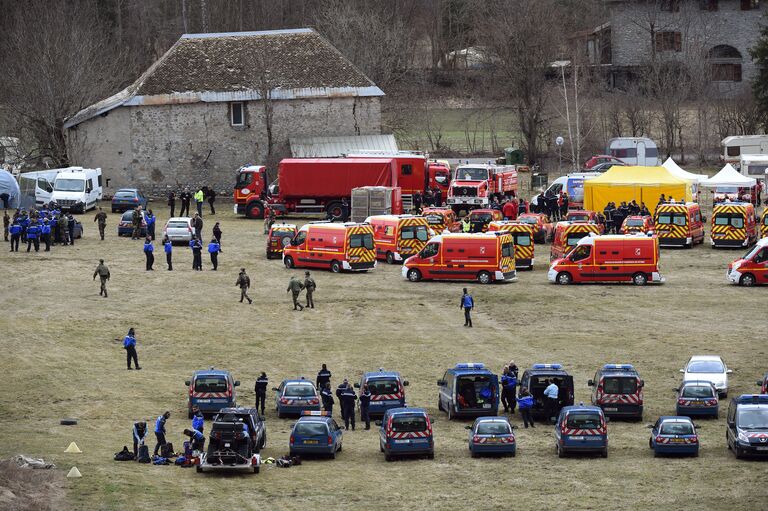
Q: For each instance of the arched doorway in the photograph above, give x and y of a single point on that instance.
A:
(725, 63)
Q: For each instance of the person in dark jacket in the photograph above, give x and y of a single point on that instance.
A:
(129, 344)
(151, 219)
(140, 431)
(341, 388)
(197, 249)
(149, 250)
(467, 303)
(347, 399)
(416, 203)
(365, 401)
(217, 234)
(261, 391)
(327, 396)
(172, 203)
(197, 225)
(168, 248)
(186, 198)
(71, 228)
(437, 197)
(33, 237)
(508, 389)
(525, 400)
(211, 195)
(323, 377)
(160, 431)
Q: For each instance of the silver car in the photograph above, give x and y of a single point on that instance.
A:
(178, 229)
(709, 368)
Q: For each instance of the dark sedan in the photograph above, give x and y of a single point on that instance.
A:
(128, 198)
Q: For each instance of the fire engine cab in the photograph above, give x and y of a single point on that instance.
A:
(609, 259)
(331, 245)
(485, 257)
(618, 390)
(398, 237)
(473, 185)
(752, 269)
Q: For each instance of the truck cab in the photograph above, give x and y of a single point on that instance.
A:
(468, 390)
(250, 192)
(473, 185)
(618, 390)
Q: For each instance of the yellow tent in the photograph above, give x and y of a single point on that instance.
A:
(643, 184)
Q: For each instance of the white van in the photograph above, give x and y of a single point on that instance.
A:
(77, 189)
(38, 185)
(754, 166)
(573, 184)
(634, 151)
(736, 146)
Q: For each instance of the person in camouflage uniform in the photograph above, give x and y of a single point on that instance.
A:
(294, 287)
(103, 272)
(101, 217)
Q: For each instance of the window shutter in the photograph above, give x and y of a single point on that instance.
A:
(678, 41)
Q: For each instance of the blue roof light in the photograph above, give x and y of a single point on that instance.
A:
(757, 399)
(619, 367)
(470, 365)
(547, 366)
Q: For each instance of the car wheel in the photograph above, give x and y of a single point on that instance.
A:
(340, 447)
(254, 210)
(380, 447)
(280, 415)
(451, 415)
(440, 405)
(335, 267)
(269, 256)
(560, 452)
(738, 452)
(639, 279)
(655, 454)
(650, 443)
(414, 275)
(431, 456)
(332, 455)
(256, 469)
(288, 261)
(696, 454)
(334, 210)
(264, 440)
(390, 258)
(484, 277)
(387, 457)
(474, 454)
(747, 280)
(564, 278)
(604, 453)
(198, 469)
(513, 453)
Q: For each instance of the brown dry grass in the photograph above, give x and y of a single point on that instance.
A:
(25, 489)
(60, 360)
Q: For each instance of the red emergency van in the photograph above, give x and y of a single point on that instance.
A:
(336, 246)
(279, 237)
(751, 269)
(398, 237)
(485, 257)
(567, 234)
(522, 235)
(440, 219)
(480, 218)
(611, 258)
(679, 224)
(733, 225)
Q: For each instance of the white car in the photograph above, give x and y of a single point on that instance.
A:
(178, 229)
(709, 368)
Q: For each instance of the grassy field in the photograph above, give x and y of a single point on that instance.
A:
(59, 350)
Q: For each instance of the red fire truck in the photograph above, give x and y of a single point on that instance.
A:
(318, 185)
(474, 184)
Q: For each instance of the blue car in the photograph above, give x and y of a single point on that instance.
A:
(406, 432)
(294, 397)
(492, 435)
(674, 435)
(126, 199)
(211, 390)
(581, 428)
(125, 225)
(315, 433)
(387, 391)
(697, 399)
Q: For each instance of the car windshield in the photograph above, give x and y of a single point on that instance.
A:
(361, 240)
(124, 195)
(574, 237)
(480, 217)
(127, 216)
(493, 428)
(178, 224)
(524, 240)
(210, 384)
(619, 385)
(753, 419)
(578, 420)
(676, 428)
(244, 179)
(410, 232)
(751, 251)
(698, 391)
(381, 386)
(507, 250)
(435, 219)
(471, 174)
(69, 185)
(578, 218)
(528, 220)
(672, 219)
(706, 366)
(733, 219)
(634, 222)
(407, 424)
(299, 391)
(310, 429)
(765, 220)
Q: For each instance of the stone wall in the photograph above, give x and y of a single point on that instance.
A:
(154, 147)
(701, 30)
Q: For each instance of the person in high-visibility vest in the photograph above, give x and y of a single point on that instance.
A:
(466, 225)
(199, 198)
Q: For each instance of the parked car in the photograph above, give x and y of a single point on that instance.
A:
(125, 225)
(697, 398)
(491, 435)
(128, 198)
(709, 368)
(604, 167)
(674, 435)
(178, 229)
(602, 159)
(237, 435)
(315, 433)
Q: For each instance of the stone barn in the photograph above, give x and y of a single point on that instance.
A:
(201, 111)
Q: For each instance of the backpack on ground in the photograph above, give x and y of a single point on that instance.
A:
(143, 454)
(166, 451)
(124, 455)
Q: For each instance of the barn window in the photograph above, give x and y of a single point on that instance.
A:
(237, 114)
(668, 41)
(725, 63)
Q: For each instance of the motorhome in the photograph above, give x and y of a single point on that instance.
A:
(754, 166)
(736, 146)
(639, 151)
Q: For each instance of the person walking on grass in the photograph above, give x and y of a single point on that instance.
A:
(309, 286)
(129, 345)
(244, 282)
(467, 303)
(168, 247)
(213, 249)
(149, 250)
(103, 272)
(101, 218)
(294, 287)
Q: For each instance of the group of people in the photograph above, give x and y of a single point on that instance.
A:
(203, 193)
(432, 197)
(554, 206)
(195, 244)
(614, 216)
(295, 287)
(48, 225)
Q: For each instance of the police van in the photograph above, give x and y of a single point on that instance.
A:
(581, 428)
(747, 425)
(468, 390)
(618, 390)
(534, 379)
(211, 390)
(406, 431)
(387, 390)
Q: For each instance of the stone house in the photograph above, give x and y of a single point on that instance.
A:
(198, 114)
(714, 35)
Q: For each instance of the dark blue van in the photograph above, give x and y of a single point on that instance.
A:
(211, 390)
(387, 391)
(406, 432)
(581, 428)
(469, 390)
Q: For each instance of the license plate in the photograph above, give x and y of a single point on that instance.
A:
(577, 438)
(310, 441)
(227, 444)
(677, 440)
(203, 400)
(593, 438)
(492, 441)
(487, 405)
(614, 409)
(402, 441)
(696, 403)
(762, 448)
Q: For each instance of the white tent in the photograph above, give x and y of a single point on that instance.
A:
(9, 185)
(676, 171)
(729, 176)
